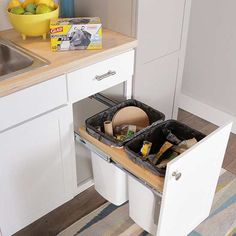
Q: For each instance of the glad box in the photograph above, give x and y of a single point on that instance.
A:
(76, 33)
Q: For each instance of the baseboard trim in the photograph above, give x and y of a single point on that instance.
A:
(205, 111)
(83, 186)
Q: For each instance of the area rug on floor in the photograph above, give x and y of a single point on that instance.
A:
(109, 220)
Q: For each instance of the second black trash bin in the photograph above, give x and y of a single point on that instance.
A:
(155, 135)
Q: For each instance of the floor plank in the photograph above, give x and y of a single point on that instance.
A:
(61, 218)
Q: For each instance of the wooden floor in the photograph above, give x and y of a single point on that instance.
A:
(86, 202)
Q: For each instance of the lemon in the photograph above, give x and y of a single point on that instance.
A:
(18, 10)
(52, 4)
(43, 8)
(14, 3)
(49, 3)
(27, 2)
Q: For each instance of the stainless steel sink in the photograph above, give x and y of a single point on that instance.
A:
(15, 60)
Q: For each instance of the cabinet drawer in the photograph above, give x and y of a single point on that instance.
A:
(30, 102)
(100, 76)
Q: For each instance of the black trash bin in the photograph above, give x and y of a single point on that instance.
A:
(155, 135)
(99, 119)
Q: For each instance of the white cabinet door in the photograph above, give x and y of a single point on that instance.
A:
(36, 169)
(155, 83)
(187, 201)
(159, 28)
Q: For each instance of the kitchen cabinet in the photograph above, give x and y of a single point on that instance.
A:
(36, 169)
(161, 29)
(39, 170)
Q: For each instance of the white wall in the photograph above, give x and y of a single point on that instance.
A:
(210, 67)
(4, 24)
(115, 15)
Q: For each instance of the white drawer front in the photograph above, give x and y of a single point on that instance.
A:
(30, 102)
(100, 76)
(190, 184)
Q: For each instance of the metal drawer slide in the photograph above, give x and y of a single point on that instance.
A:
(107, 158)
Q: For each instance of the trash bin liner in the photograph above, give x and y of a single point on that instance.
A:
(155, 135)
(98, 120)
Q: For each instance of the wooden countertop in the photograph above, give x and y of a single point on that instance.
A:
(61, 62)
(119, 156)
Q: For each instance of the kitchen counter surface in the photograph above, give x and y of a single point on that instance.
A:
(61, 62)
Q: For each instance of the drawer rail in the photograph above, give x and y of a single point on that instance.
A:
(107, 158)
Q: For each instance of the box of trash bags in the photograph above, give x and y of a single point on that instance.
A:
(148, 140)
(76, 33)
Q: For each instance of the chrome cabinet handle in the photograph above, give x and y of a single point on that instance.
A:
(177, 175)
(104, 76)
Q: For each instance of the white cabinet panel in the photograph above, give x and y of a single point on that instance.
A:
(155, 83)
(33, 101)
(187, 201)
(36, 169)
(159, 28)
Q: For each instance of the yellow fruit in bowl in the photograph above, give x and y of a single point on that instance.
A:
(13, 4)
(33, 25)
(27, 2)
(49, 3)
(42, 9)
(52, 4)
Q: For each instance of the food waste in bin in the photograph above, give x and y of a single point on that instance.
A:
(171, 148)
(121, 132)
(125, 123)
(122, 122)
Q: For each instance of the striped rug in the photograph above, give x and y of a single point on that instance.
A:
(109, 220)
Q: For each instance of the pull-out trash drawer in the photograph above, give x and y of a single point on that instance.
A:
(109, 180)
(186, 191)
(166, 203)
